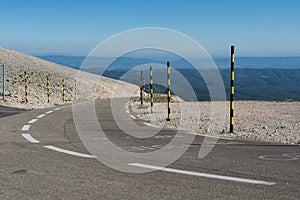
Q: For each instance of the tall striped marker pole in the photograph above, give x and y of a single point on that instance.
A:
(142, 90)
(3, 80)
(48, 89)
(232, 90)
(63, 90)
(169, 92)
(26, 86)
(151, 89)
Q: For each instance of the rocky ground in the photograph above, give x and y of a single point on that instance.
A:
(87, 86)
(277, 122)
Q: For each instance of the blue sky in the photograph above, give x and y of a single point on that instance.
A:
(256, 27)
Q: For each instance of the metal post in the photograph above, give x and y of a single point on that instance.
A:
(232, 90)
(3, 80)
(141, 90)
(151, 89)
(63, 90)
(169, 92)
(48, 89)
(26, 86)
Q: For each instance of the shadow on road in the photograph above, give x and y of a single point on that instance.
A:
(7, 111)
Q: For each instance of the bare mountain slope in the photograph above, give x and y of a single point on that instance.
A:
(87, 86)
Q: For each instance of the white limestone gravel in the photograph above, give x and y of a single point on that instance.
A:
(276, 122)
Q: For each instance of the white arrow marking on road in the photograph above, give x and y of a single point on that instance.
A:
(30, 138)
(228, 178)
(69, 152)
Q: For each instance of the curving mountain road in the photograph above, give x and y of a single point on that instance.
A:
(43, 157)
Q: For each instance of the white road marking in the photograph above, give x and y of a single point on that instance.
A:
(164, 136)
(69, 152)
(284, 157)
(133, 117)
(41, 116)
(159, 137)
(157, 146)
(211, 136)
(57, 108)
(30, 138)
(26, 127)
(173, 146)
(51, 111)
(138, 148)
(228, 178)
(150, 148)
(32, 121)
(147, 124)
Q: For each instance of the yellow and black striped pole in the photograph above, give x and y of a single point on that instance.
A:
(151, 88)
(63, 90)
(142, 90)
(232, 90)
(48, 89)
(26, 86)
(169, 92)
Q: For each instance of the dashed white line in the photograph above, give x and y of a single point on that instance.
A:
(26, 127)
(30, 138)
(150, 148)
(133, 117)
(165, 136)
(211, 136)
(32, 121)
(50, 111)
(228, 178)
(147, 124)
(69, 152)
(57, 109)
(159, 137)
(41, 116)
(157, 146)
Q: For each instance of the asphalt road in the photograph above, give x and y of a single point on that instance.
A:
(7, 111)
(31, 166)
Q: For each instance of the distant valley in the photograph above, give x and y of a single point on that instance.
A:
(264, 78)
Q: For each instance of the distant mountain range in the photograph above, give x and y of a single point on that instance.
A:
(256, 78)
